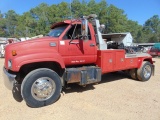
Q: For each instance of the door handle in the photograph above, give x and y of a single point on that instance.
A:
(92, 45)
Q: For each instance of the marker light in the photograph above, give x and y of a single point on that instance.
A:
(14, 52)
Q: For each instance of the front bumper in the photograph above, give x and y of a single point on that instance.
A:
(9, 79)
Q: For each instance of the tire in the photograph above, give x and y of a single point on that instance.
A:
(41, 87)
(133, 74)
(145, 71)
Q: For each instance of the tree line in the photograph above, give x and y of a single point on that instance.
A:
(39, 19)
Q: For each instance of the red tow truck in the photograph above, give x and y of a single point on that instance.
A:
(74, 51)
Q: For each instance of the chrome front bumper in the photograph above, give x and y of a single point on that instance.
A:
(9, 79)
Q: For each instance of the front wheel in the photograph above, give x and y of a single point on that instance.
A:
(41, 87)
(145, 71)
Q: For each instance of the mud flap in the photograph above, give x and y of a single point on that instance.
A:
(153, 67)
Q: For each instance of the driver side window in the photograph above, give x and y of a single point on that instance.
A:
(74, 32)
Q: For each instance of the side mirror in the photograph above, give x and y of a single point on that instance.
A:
(84, 28)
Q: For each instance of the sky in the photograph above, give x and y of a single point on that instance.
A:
(136, 10)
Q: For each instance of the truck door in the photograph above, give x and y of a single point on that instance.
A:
(74, 49)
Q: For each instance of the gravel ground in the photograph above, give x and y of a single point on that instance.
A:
(115, 98)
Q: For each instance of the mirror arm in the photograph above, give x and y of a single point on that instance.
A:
(72, 34)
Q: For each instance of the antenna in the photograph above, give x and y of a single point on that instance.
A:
(71, 8)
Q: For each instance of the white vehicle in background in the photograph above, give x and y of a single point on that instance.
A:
(4, 42)
(2, 51)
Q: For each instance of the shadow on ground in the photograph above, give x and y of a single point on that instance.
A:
(109, 77)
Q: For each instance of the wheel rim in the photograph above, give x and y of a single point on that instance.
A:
(43, 88)
(147, 71)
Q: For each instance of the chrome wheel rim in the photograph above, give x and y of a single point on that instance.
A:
(147, 71)
(43, 88)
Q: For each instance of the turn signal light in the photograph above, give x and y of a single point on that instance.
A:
(14, 52)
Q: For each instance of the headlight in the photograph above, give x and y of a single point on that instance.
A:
(9, 64)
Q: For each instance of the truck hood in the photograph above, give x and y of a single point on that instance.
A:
(35, 40)
(32, 46)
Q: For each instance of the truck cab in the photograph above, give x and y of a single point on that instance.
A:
(74, 51)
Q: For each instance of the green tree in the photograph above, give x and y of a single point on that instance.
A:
(2, 26)
(116, 20)
(26, 25)
(39, 20)
(102, 7)
(151, 29)
(63, 11)
(11, 22)
(135, 29)
(76, 8)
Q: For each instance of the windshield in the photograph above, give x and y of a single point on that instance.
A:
(56, 32)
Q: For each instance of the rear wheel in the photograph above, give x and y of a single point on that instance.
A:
(41, 87)
(145, 71)
(133, 74)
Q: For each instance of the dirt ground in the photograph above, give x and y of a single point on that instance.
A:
(117, 97)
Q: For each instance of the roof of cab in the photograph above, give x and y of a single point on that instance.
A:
(65, 22)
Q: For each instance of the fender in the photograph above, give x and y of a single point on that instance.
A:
(140, 60)
(19, 61)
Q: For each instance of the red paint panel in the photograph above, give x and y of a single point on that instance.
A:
(131, 62)
(120, 60)
(108, 61)
(114, 60)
